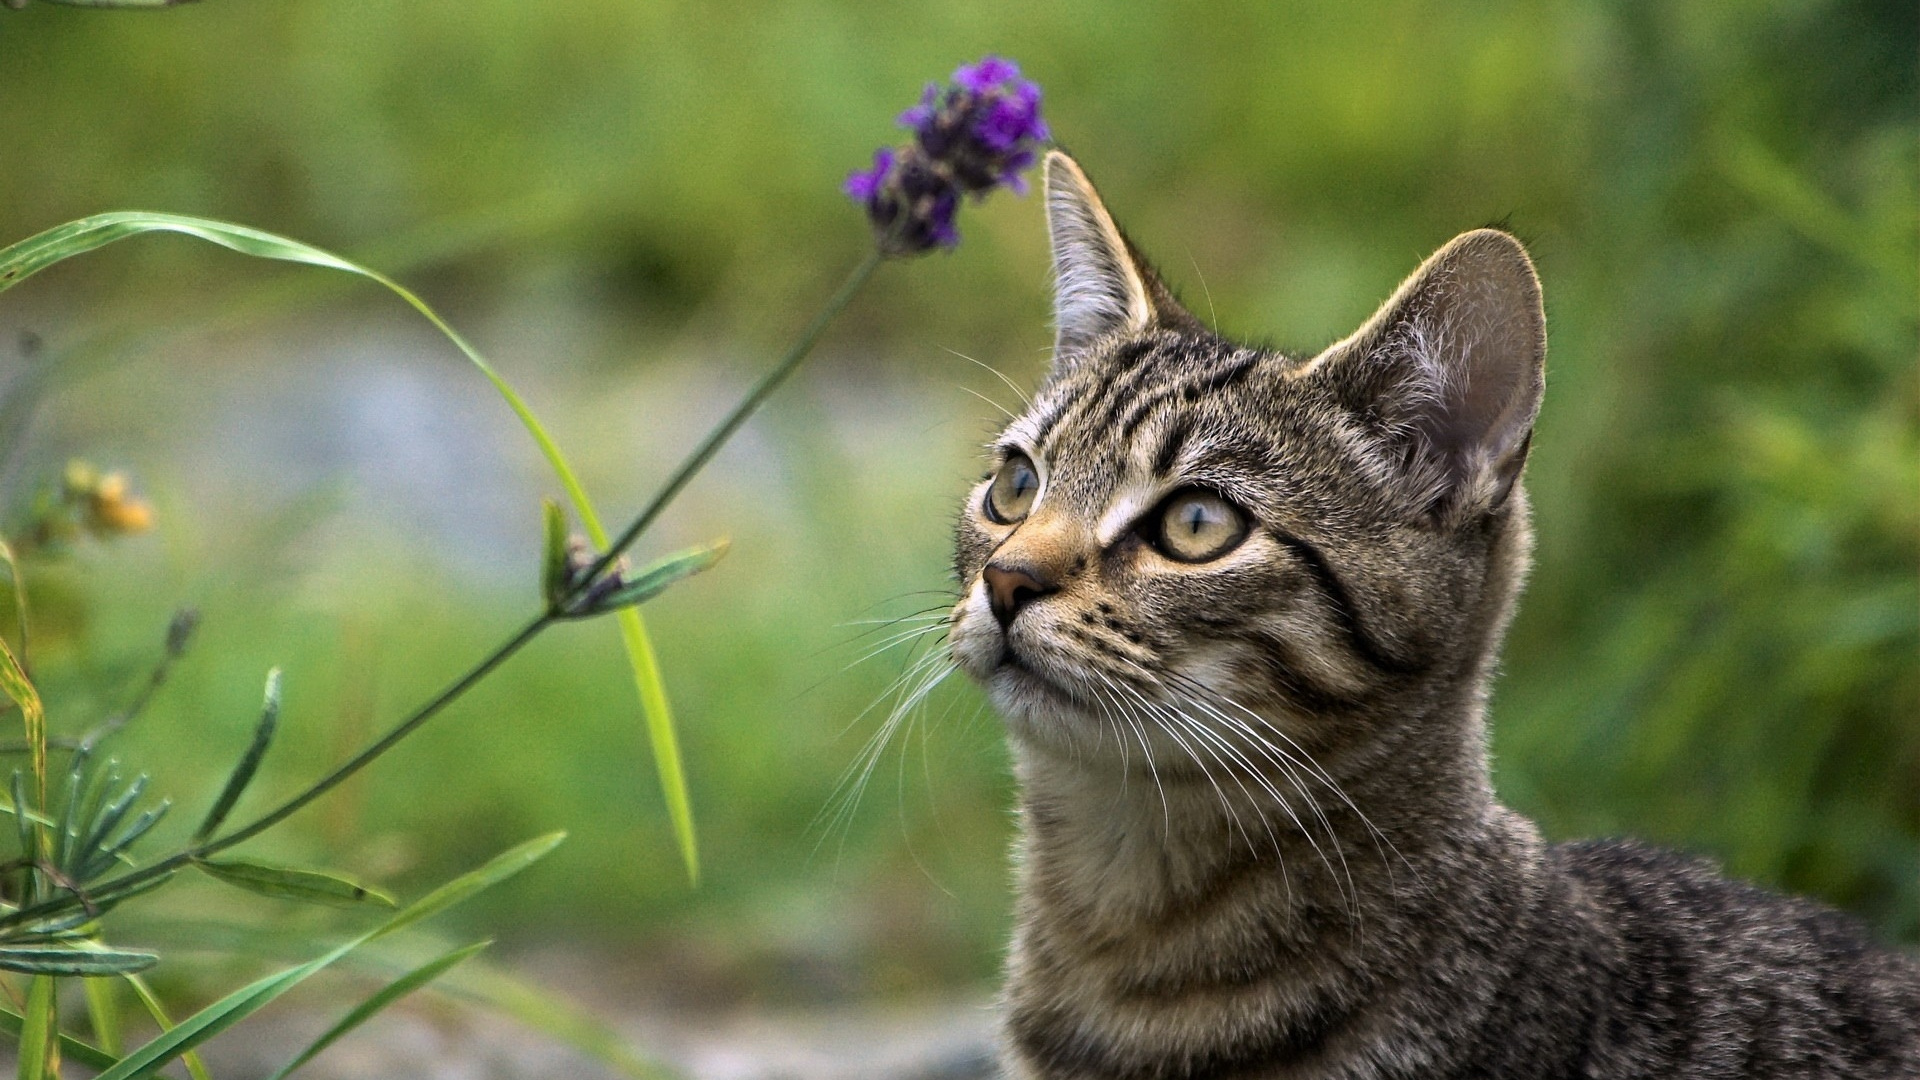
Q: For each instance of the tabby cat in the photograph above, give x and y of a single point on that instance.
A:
(1240, 610)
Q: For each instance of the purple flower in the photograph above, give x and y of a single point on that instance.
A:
(970, 137)
(861, 187)
(987, 75)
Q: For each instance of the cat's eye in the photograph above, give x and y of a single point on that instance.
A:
(1010, 496)
(1197, 526)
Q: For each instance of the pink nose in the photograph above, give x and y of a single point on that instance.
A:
(1010, 588)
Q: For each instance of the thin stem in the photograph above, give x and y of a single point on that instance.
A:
(695, 461)
(718, 437)
(287, 809)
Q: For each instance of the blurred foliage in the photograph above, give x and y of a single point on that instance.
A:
(1720, 648)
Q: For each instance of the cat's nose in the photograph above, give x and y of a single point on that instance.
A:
(1010, 588)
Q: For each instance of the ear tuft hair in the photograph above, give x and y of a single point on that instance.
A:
(1450, 371)
(1101, 287)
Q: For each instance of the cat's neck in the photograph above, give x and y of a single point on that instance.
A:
(1111, 846)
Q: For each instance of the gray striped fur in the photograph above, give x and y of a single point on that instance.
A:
(1257, 832)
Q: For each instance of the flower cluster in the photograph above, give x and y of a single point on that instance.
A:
(970, 137)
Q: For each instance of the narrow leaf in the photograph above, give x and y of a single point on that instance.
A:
(19, 588)
(93, 1057)
(230, 1010)
(37, 960)
(39, 1031)
(103, 1013)
(287, 883)
(15, 684)
(36, 253)
(387, 995)
(542, 1010)
(249, 762)
(150, 1001)
(553, 565)
(655, 579)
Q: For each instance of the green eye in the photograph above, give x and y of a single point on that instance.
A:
(1197, 526)
(1010, 496)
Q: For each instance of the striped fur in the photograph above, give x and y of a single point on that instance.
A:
(1258, 836)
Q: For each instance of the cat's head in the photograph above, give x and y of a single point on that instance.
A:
(1183, 533)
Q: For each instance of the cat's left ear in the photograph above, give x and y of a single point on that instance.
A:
(1101, 287)
(1450, 371)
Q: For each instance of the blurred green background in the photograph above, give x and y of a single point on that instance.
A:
(629, 206)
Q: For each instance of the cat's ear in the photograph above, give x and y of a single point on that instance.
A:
(1449, 372)
(1100, 286)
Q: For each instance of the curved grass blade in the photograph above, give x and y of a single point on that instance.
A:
(40, 1031)
(288, 883)
(72, 1049)
(249, 761)
(19, 589)
(385, 996)
(103, 1013)
(15, 684)
(38, 960)
(150, 1001)
(230, 1010)
(544, 1011)
(36, 253)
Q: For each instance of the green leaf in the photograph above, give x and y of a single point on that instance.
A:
(15, 684)
(230, 1010)
(249, 761)
(150, 1001)
(36, 253)
(288, 883)
(103, 1012)
(93, 1057)
(19, 588)
(553, 566)
(387, 995)
(39, 960)
(655, 579)
(551, 1014)
(39, 1030)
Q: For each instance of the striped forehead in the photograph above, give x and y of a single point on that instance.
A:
(1114, 432)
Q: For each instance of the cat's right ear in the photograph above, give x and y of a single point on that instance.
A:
(1099, 289)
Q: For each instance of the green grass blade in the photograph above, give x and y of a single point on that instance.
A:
(71, 1049)
(150, 1001)
(103, 1012)
(550, 1014)
(36, 253)
(237, 1006)
(385, 996)
(15, 684)
(249, 761)
(19, 588)
(39, 1042)
(291, 883)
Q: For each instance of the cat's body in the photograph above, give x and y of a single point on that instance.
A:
(1240, 610)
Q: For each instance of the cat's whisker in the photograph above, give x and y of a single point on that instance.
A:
(998, 374)
(1343, 875)
(1245, 766)
(1139, 733)
(908, 690)
(1003, 409)
(1173, 733)
(1320, 774)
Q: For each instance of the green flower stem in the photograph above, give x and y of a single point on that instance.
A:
(723, 431)
(695, 461)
